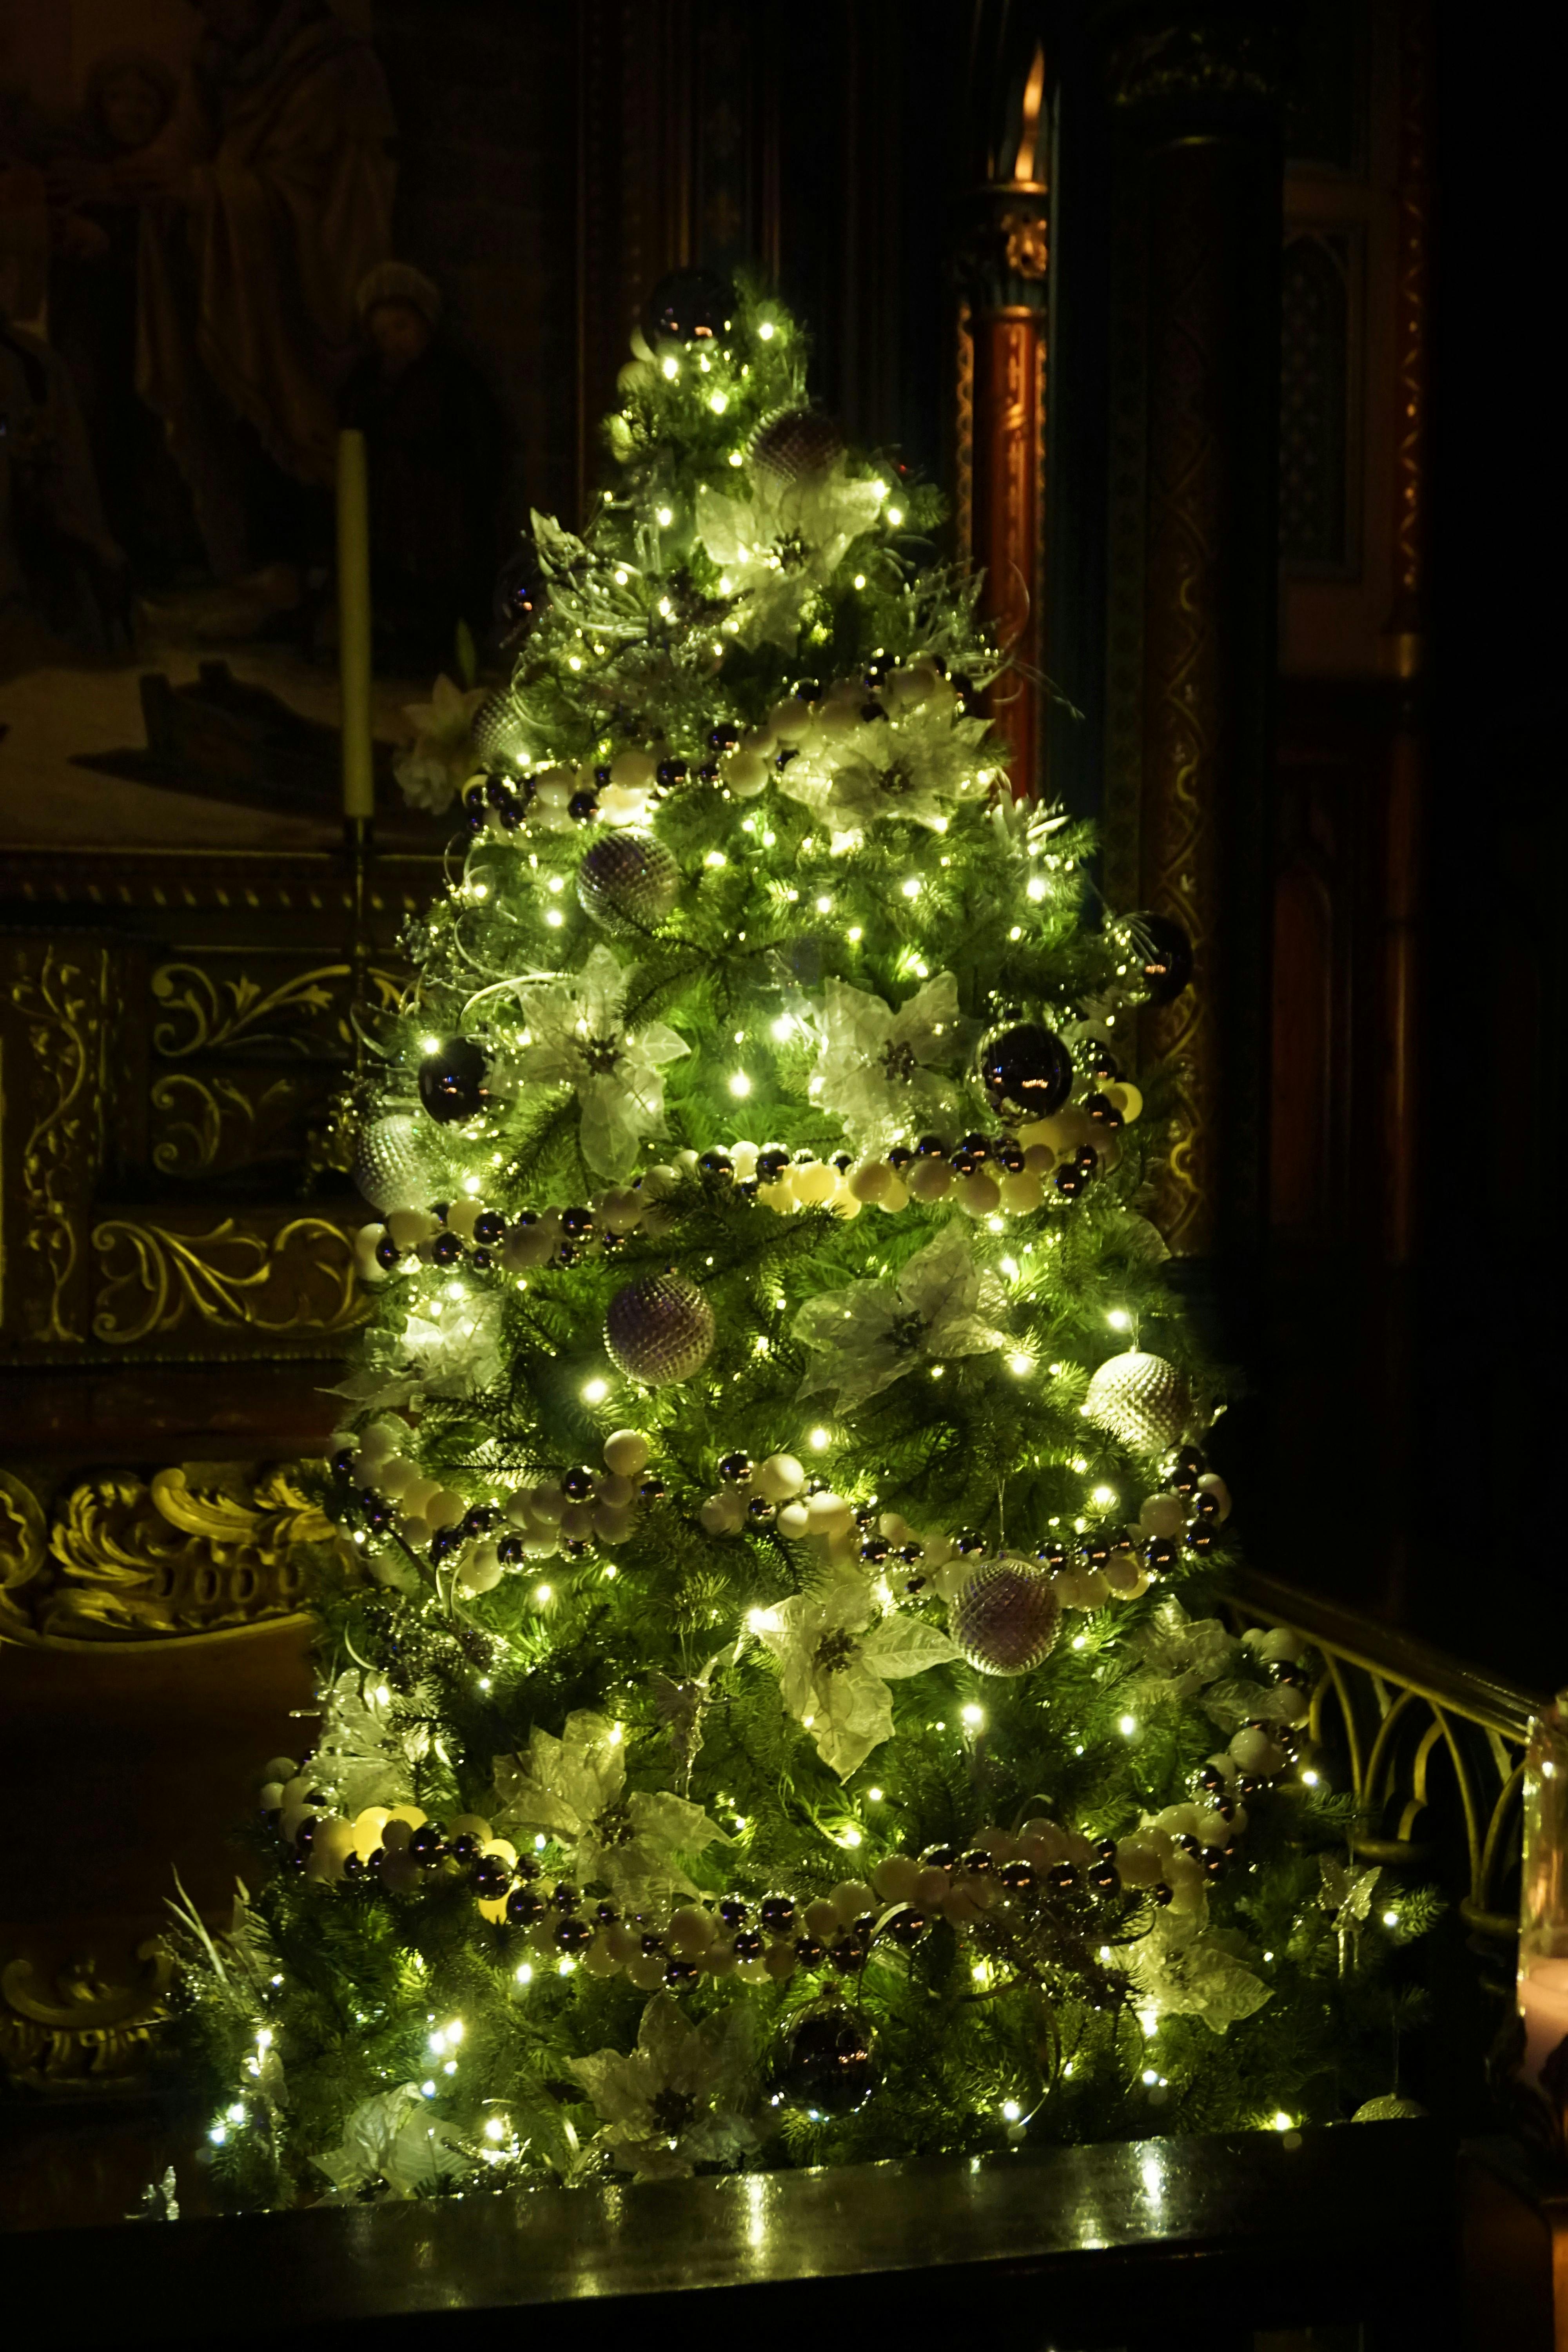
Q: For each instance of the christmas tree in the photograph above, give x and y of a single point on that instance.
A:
(775, 1708)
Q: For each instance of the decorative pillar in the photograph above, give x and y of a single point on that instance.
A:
(1003, 263)
(1199, 199)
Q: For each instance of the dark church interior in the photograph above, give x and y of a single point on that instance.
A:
(1205, 345)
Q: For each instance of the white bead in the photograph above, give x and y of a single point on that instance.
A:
(627, 1452)
(615, 1493)
(1211, 1483)
(444, 1507)
(780, 1478)
(462, 1216)
(794, 1520)
(896, 1878)
(724, 1514)
(814, 1182)
(979, 1195)
(851, 1898)
(480, 1570)
(365, 1262)
(928, 1180)
(1162, 1515)
(871, 1181)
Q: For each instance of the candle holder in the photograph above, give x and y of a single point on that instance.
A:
(1544, 1917)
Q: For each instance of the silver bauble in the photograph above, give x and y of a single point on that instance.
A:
(795, 444)
(1141, 1400)
(628, 882)
(659, 1329)
(1388, 2109)
(1005, 1617)
(501, 737)
(392, 1165)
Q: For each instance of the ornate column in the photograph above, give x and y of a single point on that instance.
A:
(1198, 256)
(1002, 264)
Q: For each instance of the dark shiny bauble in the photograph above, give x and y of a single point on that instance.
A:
(353, 1866)
(481, 1261)
(628, 882)
(809, 1952)
(1213, 1858)
(827, 2063)
(654, 1948)
(809, 691)
(387, 1252)
(874, 1550)
(1025, 1071)
(795, 444)
(1094, 1548)
(490, 1226)
(1190, 1458)
(1161, 1893)
(1104, 1111)
(672, 773)
(564, 1896)
(1053, 1553)
(571, 1934)
(490, 1877)
(907, 1925)
(577, 1220)
(653, 1490)
(736, 1469)
(1069, 1182)
(963, 687)
(526, 1867)
(940, 1857)
(428, 1845)
(1184, 1475)
(1202, 1540)
(305, 1834)
(1105, 1849)
(900, 1158)
(708, 774)
(967, 1542)
(377, 1514)
(931, 1147)
(1102, 1877)
(1088, 1159)
(732, 1911)
(510, 1551)
(688, 306)
(519, 595)
(781, 759)
(444, 1542)
(749, 1945)
(583, 807)
(870, 712)
(1062, 1877)
(446, 1250)
(716, 1164)
(772, 1163)
(1291, 1671)
(680, 1975)
(1010, 1155)
(1159, 1555)
(480, 1520)
(724, 737)
(464, 1849)
(1161, 951)
(777, 1913)
(452, 1081)
(343, 1464)
(605, 1914)
(963, 1162)
(1018, 1877)
(761, 1512)
(1096, 1060)
(1205, 1503)
(847, 1953)
(577, 1484)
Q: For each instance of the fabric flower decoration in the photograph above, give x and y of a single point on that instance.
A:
(871, 1334)
(455, 1348)
(441, 760)
(776, 552)
(671, 2103)
(1181, 1968)
(393, 2137)
(575, 1789)
(918, 767)
(879, 1067)
(577, 1037)
(836, 1654)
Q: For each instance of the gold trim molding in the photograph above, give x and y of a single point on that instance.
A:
(299, 1279)
(68, 2027)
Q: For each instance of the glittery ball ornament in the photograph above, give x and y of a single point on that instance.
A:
(1160, 954)
(1025, 1070)
(500, 735)
(795, 444)
(827, 2063)
(1388, 2109)
(393, 1167)
(688, 306)
(452, 1081)
(1005, 1617)
(628, 882)
(1141, 1400)
(659, 1329)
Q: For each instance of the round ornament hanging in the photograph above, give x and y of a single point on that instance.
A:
(659, 1330)
(501, 736)
(519, 595)
(393, 1168)
(628, 882)
(1025, 1071)
(452, 1081)
(794, 443)
(1005, 1616)
(688, 306)
(1161, 954)
(827, 2064)
(1141, 1400)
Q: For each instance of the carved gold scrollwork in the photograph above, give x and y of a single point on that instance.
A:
(199, 1547)
(300, 1279)
(207, 1013)
(66, 2026)
(198, 1111)
(67, 1003)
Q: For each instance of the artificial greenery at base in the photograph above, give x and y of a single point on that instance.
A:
(775, 1709)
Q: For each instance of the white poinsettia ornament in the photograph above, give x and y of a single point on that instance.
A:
(577, 1036)
(838, 1649)
(673, 2101)
(575, 1789)
(871, 1334)
(1183, 1968)
(777, 550)
(881, 1068)
(922, 767)
(440, 760)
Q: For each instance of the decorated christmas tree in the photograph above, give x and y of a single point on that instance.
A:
(775, 1707)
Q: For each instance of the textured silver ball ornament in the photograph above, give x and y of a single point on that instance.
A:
(393, 1167)
(628, 882)
(794, 443)
(1141, 1400)
(500, 734)
(1005, 1617)
(659, 1330)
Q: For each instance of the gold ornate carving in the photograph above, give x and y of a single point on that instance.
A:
(67, 1002)
(1025, 243)
(69, 2027)
(200, 1546)
(964, 434)
(219, 1119)
(207, 1013)
(297, 1279)
(1410, 328)
(1219, 59)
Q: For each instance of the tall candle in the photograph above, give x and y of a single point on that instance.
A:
(353, 626)
(1544, 1905)
(1543, 2005)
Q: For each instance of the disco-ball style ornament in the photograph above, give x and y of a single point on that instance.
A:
(688, 306)
(1388, 2109)
(1162, 952)
(393, 1168)
(659, 1330)
(501, 736)
(1141, 1400)
(1025, 1071)
(827, 2065)
(628, 882)
(452, 1081)
(795, 444)
(1005, 1616)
